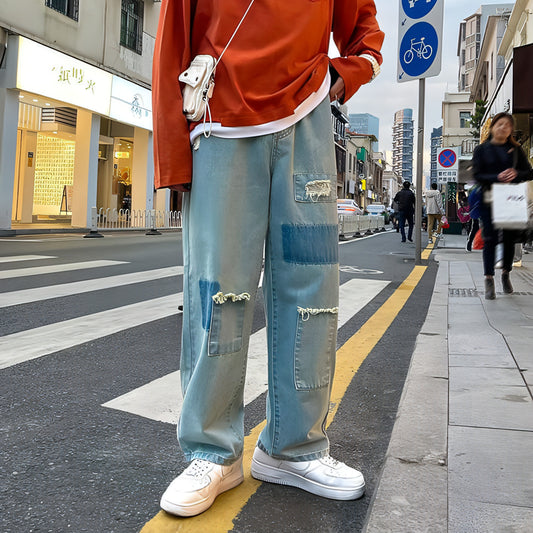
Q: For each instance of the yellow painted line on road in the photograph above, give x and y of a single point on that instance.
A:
(427, 251)
(219, 518)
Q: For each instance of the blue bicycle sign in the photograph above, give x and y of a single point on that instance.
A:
(418, 48)
(417, 9)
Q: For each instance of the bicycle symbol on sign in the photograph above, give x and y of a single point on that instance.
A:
(413, 2)
(420, 48)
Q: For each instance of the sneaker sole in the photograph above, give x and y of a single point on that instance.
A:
(267, 473)
(196, 508)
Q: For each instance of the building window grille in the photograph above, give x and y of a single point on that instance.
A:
(69, 8)
(131, 24)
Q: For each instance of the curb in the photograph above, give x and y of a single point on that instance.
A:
(411, 494)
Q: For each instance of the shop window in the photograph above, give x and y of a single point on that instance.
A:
(69, 8)
(131, 24)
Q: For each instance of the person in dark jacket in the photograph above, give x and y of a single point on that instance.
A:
(405, 200)
(498, 160)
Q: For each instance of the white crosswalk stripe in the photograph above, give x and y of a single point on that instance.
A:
(30, 344)
(51, 269)
(79, 287)
(17, 258)
(161, 399)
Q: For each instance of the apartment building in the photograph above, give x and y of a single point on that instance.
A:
(75, 109)
(471, 32)
(402, 144)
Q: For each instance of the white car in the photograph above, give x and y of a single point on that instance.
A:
(347, 206)
(375, 209)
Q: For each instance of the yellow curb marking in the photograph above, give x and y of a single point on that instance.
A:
(427, 252)
(219, 518)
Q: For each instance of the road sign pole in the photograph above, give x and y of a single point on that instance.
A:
(419, 170)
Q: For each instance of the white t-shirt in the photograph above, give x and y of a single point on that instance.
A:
(240, 132)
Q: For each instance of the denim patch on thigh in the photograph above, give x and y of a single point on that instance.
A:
(207, 290)
(225, 333)
(311, 187)
(311, 244)
(314, 347)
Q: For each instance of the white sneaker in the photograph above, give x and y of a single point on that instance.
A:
(325, 477)
(196, 488)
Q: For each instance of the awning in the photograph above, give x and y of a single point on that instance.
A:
(523, 79)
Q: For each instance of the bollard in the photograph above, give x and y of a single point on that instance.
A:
(152, 230)
(93, 233)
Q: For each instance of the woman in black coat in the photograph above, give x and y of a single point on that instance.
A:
(498, 160)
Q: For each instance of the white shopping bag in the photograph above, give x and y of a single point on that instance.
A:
(510, 205)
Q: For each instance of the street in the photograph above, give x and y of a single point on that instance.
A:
(89, 359)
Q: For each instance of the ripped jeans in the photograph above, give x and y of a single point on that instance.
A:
(275, 192)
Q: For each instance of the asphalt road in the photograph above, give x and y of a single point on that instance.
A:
(69, 463)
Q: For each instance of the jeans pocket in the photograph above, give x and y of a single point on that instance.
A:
(316, 337)
(225, 333)
(312, 187)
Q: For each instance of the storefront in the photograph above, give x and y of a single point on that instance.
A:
(72, 136)
(514, 95)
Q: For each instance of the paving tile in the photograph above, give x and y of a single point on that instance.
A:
(489, 397)
(475, 517)
(501, 360)
(489, 466)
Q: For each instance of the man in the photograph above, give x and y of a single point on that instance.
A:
(434, 210)
(405, 200)
(265, 177)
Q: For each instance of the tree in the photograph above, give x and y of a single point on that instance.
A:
(477, 117)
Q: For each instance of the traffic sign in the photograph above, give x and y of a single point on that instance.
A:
(419, 39)
(447, 158)
(448, 164)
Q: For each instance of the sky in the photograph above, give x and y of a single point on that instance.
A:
(384, 96)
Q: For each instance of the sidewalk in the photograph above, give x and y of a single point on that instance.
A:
(460, 459)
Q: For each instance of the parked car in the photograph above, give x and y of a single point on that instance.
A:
(347, 206)
(378, 209)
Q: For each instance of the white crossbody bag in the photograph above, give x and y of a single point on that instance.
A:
(199, 83)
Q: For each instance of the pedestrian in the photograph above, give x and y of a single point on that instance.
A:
(464, 216)
(434, 210)
(498, 160)
(263, 173)
(394, 216)
(405, 200)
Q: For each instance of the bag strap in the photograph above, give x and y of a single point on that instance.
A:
(234, 33)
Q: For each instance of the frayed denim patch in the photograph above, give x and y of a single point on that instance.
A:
(314, 188)
(313, 245)
(207, 290)
(316, 338)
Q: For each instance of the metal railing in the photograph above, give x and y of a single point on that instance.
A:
(141, 219)
(358, 225)
(151, 219)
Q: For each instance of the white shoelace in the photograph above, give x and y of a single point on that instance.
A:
(327, 459)
(198, 468)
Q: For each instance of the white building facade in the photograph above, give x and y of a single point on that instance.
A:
(75, 109)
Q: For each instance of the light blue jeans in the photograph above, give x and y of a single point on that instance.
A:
(276, 192)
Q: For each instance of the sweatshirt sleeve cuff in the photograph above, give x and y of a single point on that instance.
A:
(355, 71)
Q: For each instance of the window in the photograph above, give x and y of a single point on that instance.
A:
(70, 8)
(465, 117)
(131, 24)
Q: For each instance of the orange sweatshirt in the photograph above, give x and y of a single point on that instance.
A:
(276, 60)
